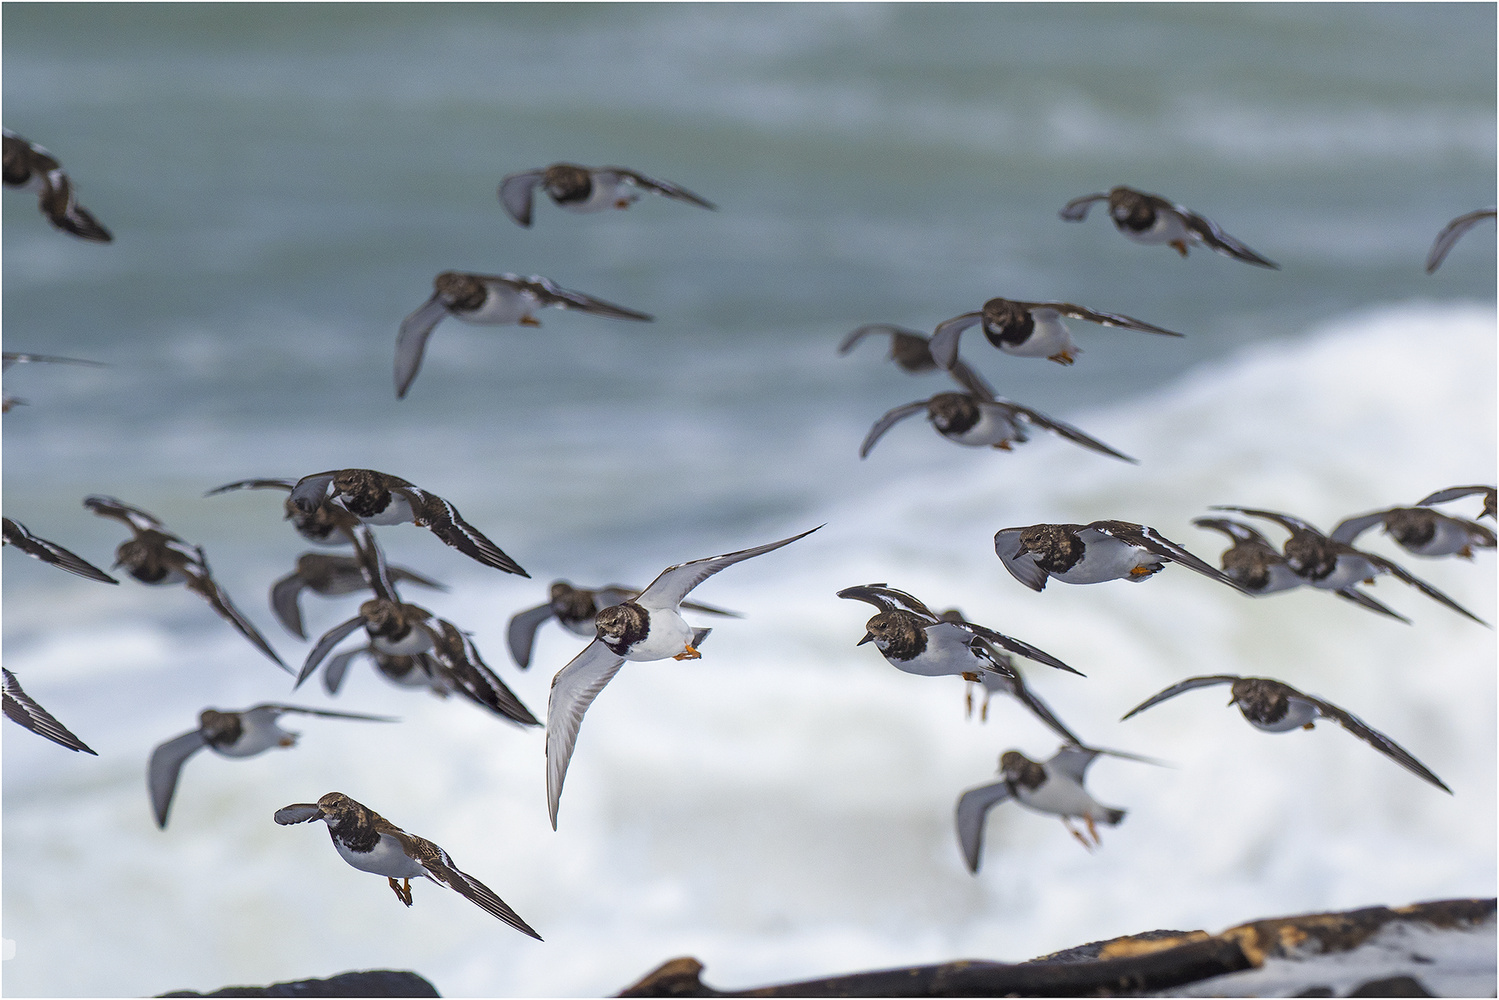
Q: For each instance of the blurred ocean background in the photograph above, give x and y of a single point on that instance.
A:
(283, 182)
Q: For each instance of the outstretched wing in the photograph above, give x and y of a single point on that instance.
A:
(411, 341)
(325, 645)
(1101, 318)
(666, 188)
(1457, 492)
(459, 659)
(1403, 575)
(1347, 530)
(284, 594)
(201, 583)
(973, 809)
(944, 342)
(854, 336)
(1040, 709)
(1153, 541)
(1451, 233)
(444, 521)
(254, 484)
(1190, 684)
(521, 634)
(51, 553)
(298, 812)
(888, 421)
(1355, 596)
(270, 711)
(437, 863)
(1021, 564)
(164, 767)
(1065, 430)
(887, 598)
(1236, 530)
(1373, 737)
(515, 194)
(1015, 646)
(20, 708)
(1076, 210)
(573, 690)
(137, 519)
(676, 582)
(1287, 521)
(549, 293)
(1219, 241)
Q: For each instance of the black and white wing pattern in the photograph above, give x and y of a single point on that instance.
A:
(546, 292)
(441, 869)
(137, 519)
(51, 553)
(1101, 318)
(1153, 541)
(444, 521)
(205, 586)
(1065, 430)
(666, 188)
(1369, 735)
(1190, 684)
(456, 654)
(1217, 240)
(20, 708)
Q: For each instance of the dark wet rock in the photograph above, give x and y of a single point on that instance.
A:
(374, 983)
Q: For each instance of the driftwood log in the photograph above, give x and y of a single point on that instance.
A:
(1125, 966)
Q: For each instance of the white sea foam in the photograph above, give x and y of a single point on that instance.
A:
(782, 808)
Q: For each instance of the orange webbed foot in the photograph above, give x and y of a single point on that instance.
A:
(1141, 571)
(403, 896)
(688, 654)
(1063, 358)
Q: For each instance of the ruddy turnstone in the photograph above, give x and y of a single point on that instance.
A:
(574, 608)
(1420, 530)
(19, 707)
(1027, 330)
(1276, 707)
(228, 734)
(911, 350)
(489, 300)
(1458, 492)
(971, 420)
(372, 843)
(418, 671)
(378, 498)
(330, 576)
(9, 358)
(399, 629)
(1260, 569)
(650, 627)
(29, 166)
(156, 556)
(1149, 218)
(1332, 565)
(1093, 553)
(913, 639)
(1052, 786)
(50, 552)
(324, 524)
(1451, 233)
(585, 189)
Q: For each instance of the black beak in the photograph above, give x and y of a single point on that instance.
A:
(867, 637)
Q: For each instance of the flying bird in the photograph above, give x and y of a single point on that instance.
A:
(1149, 218)
(330, 576)
(1420, 530)
(977, 422)
(51, 553)
(1093, 553)
(1451, 233)
(1333, 565)
(911, 351)
(324, 524)
(27, 165)
(156, 556)
(1276, 707)
(488, 300)
(650, 627)
(228, 734)
(1053, 786)
(372, 843)
(1027, 330)
(1259, 568)
(377, 498)
(574, 609)
(585, 189)
(913, 639)
(21, 708)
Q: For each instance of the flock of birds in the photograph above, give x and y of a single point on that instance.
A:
(412, 647)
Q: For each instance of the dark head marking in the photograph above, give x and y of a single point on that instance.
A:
(898, 634)
(1019, 771)
(363, 491)
(622, 626)
(1412, 527)
(1260, 701)
(1310, 555)
(1007, 322)
(220, 728)
(463, 292)
(953, 413)
(571, 604)
(1055, 548)
(1131, 210)
(567, 182)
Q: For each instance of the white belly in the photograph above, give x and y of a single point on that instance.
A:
(1350, 569)
(1281, 578)
(1168, 228)
(1297, 715)
(606, 194)
(413, 642)
(398, 511)
(254, 739)
(993, 428)
(1049, 336)
(668, 635)
(1449, 539)
(1106, 558)
(1061, 797)
(386, 859)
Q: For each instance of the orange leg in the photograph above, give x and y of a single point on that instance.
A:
(528, 320)
(1180, 247)
(1004, 446)
(1141, 571)
(403, 896)
(622, 203)
(688, 653)
(1062, 358)
(1092, 830)
(1078, 836)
